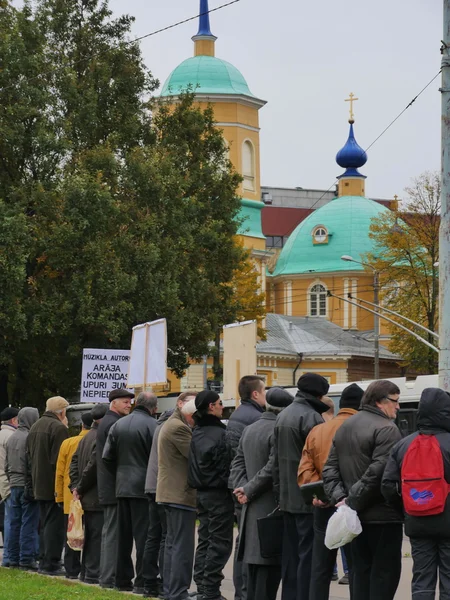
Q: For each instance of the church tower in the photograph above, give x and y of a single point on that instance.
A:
(236, 111)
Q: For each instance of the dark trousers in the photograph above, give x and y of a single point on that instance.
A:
(263, 581)
(430, 555)
(53, 534)
(72, 558)
(93, 525)
(377, 561)
(179, 552)
(132, 524)
(23, 545)
(298, 536)
(108, 550)
(239, 567)
(323, 560)
(215, 540)
(154, 544)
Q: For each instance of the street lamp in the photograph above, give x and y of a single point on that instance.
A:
(376, 320)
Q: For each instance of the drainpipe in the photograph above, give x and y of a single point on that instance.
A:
(294, 373)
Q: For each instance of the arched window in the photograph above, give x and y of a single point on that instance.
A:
(318, 301)
(320, 235)
(248, 165)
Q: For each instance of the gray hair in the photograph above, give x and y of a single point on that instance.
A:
(189, 407)
(147, 399)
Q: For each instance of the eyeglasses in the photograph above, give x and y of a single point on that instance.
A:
(392, 399)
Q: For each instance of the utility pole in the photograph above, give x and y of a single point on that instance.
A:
(444, 231)
(376, 324)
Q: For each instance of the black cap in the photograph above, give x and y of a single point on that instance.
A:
(278, 397)
(351, 397)
(120, 393)
(87, 418)
(99, 411)
(314, 384)
(9, 413)
(205, 398)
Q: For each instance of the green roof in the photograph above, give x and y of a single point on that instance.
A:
(251, 215)
(207, 75)
(347, 220)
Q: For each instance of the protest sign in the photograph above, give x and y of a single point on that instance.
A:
(103, 371)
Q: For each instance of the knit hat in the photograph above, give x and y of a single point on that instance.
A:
(314, 384)
(99, 411)
(278, 397)
(120, 393)
(87, 418)
(351, 397)
(9, 413)
(56, 403)
(205, 398)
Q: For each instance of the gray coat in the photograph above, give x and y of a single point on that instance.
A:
(16, 459)
(152, 469)
(252, 469)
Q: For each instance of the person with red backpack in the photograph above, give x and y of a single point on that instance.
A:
(417, 478)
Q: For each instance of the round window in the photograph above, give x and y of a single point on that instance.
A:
(320, 235)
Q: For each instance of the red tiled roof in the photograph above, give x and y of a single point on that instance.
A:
(278, 220)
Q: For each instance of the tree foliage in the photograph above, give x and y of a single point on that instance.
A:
(407, 251)
(114, 209)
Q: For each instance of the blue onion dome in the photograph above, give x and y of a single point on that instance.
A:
(351, 156)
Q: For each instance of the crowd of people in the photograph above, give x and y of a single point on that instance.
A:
(145, 482)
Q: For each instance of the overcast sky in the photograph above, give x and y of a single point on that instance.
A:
(304, 58)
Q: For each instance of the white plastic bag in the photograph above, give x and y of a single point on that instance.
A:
(342, 528)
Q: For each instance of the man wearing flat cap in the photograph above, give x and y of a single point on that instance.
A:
(119, 406)
(83, 484)
(314, 456)
(209, 471)
(291, 430)
(43, 445)
(252, 477)
(8, 418)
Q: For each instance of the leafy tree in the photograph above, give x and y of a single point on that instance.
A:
(407, 251)
(108, 216)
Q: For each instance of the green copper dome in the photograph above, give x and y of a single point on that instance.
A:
(347, 222)
(207, 75)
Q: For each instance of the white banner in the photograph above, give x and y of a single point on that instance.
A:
(148, 362)
(103, 371)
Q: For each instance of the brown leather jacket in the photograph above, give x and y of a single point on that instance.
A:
(318, 446)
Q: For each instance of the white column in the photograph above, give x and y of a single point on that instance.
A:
(354, 308)
(346, 304)
(288, 298)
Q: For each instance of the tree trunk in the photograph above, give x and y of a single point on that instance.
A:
(4, 398)
(217, 368)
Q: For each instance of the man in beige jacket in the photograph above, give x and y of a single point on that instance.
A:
(314, 456)
(179, 500)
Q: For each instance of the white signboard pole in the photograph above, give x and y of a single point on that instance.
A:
(103, 371)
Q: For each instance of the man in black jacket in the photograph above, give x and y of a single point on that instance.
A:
(83, 483)
(353, 474)
(291, 430)
(209, 471)
(430, 535)
(42, 447)
(127, 450)
(120, 406)
(252, 392)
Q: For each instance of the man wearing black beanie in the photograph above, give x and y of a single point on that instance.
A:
(291, 430)
(314, 456)
(209, 471)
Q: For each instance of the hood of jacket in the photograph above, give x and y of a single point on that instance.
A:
(27, 417)
(163, 418)
(315, 403)
(434, 410)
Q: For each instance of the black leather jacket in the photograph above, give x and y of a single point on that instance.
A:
(83, 470)
(127, 449)
(356, 464)
(433, 418)
(291, 430)
(209, 456)
(106, 477)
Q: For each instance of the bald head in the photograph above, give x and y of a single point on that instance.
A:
(148, 400)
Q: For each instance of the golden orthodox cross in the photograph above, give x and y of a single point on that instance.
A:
(351, 99)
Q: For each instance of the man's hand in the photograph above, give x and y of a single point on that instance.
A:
(75, 495)
(319, 504)
(240, 495)
(341, 503)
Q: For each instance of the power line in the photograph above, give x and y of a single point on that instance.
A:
(384, 131)
(133, 41)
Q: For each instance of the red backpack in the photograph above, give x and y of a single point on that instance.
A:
(424, 488)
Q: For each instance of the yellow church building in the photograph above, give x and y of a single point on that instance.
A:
(308, 329)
